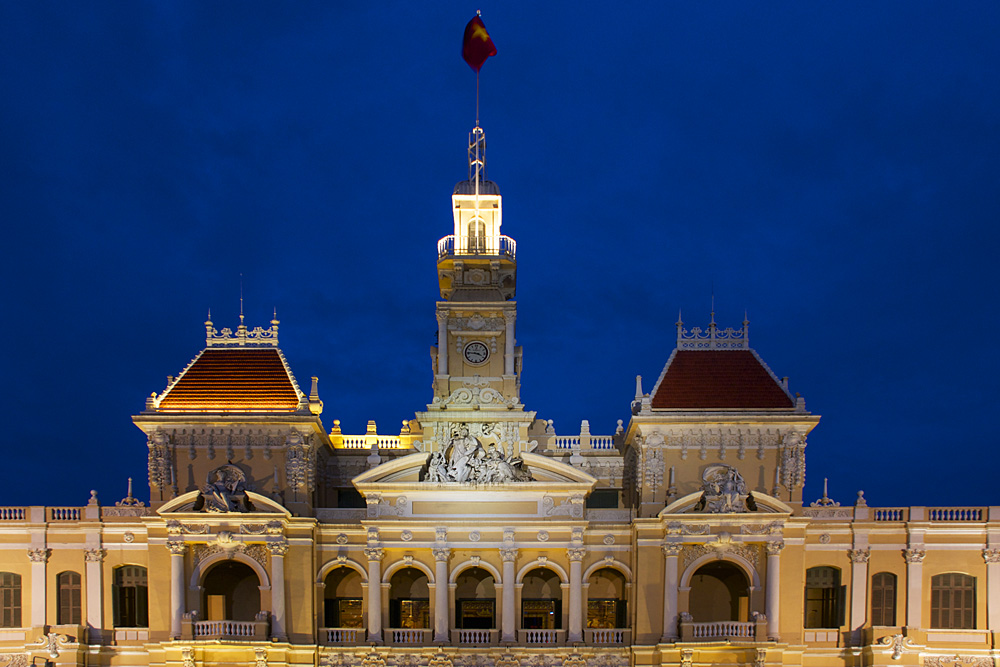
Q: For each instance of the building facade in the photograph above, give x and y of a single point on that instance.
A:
(479, 537)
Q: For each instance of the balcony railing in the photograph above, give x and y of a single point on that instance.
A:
(474, 637)
(488, 246)
(256, 630)
(607, 636)
(541, 637)
(348, 636)
(404, 636)
(746, 631)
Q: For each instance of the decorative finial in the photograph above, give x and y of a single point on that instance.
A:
(241, 298)
(479, 12)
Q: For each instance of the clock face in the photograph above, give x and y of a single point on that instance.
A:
(477, 352)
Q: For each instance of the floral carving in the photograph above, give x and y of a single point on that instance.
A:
(39, 555)
(914, 555)
(859, 555)
(95, 555)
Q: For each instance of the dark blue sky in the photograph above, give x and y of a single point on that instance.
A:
(832, 168)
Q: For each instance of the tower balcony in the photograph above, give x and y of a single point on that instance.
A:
(473, 246)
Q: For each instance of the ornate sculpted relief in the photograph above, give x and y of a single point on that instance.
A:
(793, 461)
(724, 491)
(572, 507)
(160, 469)
(300, 462)
(465, 460)
(225, 492)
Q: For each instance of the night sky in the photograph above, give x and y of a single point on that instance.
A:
(830, 168)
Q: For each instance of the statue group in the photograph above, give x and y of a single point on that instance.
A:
(466, 460)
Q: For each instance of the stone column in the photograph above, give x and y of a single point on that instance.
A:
(575, 594)
(859, 586)
(374, 555)
(772, 595)
(508, 352)
(914, 585)
(278, 550)
(508, 615)
(671, 554)
(992, 557)
(177, 549)
(442, 318)
(38, 558)
(441, 617)
(94, 559)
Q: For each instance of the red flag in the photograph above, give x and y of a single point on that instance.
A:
(477, 45)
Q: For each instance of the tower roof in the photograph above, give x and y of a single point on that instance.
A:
(469, 188)
(244, 380)
(718, 379)
(241, 372)
(716, 370)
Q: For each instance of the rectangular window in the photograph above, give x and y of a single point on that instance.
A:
(825, 598)
(540, 615)
(605, 613)
(884, 599)
(10, 600)
(410, 613)
(953, 601)
(68, 590)
(603, 499)
(131, 603)
(475, 614)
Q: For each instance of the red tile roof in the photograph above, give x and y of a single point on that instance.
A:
(718, 379)
(233, 380)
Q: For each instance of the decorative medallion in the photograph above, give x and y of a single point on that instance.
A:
(474, 536)
(406, 536)
(543, 536)
(609, 539)
(342, 538)
(129, 537)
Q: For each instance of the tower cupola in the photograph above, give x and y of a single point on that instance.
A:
(476, 262)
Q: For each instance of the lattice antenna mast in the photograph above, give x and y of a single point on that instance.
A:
(477, 155)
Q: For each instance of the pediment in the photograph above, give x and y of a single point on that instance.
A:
(688, 505)
(408, 470)
(394, 490)
(184, 504)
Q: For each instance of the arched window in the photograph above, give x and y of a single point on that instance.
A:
(884, 599)
(825, 598)
(477, 236)
(10, 600)
(541, 600)
(131, 597)
(953, 601)
(68, 589)
(409, 599)
(606, 599)
(475, 600)
(343, 599)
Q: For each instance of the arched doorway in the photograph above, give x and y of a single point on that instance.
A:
(231, 592)
(409, 599)
(719, 592)
(343, 599)
(475, 600)
(541, 600)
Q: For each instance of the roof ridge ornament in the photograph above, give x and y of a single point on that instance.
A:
(713, 338)
(256, 337)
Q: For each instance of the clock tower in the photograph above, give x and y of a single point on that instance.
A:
(477, 274)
